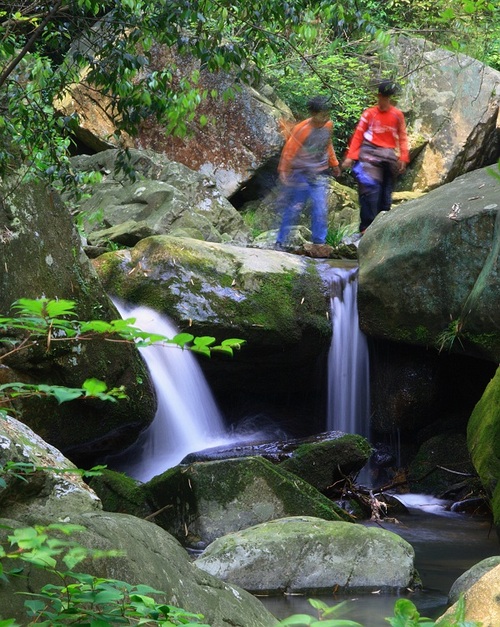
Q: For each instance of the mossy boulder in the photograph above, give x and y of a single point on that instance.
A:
(310, 555)
(428, 269)
(205, 500)
(483, 439)
(41, 482)
(323, 463)
(41, 256)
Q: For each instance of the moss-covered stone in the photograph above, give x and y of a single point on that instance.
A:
(421, 266)
(205, 500)
(306, 554)
(323, 463)
(483, 439)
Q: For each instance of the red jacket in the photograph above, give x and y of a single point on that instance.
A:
(386, 129)
(294, 143)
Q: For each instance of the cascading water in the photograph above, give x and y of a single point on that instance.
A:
(348, 362)
(187, 418)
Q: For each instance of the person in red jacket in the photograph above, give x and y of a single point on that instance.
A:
(379, 147)
(305, 159)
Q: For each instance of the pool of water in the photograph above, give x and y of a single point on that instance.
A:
(446, 545)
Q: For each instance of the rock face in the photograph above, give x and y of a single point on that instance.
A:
(471, 576)
(483, 439)
(245, 135)
(452, 107)
(203, 501)
(167, 198)
(41, 255)
(434, 260)
(307, 554)
(44, 484)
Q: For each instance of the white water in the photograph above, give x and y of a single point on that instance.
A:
(187, 418)
(348, 361)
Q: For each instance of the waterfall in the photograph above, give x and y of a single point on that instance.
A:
(348, 364)
(187, 418)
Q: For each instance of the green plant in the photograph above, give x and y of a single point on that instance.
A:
(43, 323)
(82, 599)
(323, 619)
(405, 615)
(338, 233)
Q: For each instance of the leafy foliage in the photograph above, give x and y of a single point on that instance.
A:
(45, 322)
(82, 599)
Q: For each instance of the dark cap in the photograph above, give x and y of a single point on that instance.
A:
(317, 104)
(387, 88)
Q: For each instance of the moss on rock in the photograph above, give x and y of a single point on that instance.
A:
(483, 439)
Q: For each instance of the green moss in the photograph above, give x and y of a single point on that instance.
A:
(118, 493)
(483, 437)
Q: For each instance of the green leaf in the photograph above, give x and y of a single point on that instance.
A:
(94, 387)
(297, 619)
(181, 339)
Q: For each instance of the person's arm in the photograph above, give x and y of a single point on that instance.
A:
(357, 138)
(404, 153)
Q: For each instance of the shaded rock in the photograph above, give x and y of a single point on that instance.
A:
(481, 600)
(483, 440)
(168, 197)
(324, 463)
(42, 483)
(431, 261)
(41, 256)
(440, 463)
(471, 576)
(151, 557)
(452, 105)
(307, 554)
(206, 500)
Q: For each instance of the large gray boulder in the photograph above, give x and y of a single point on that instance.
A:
(276, 301)
(307, 554)
(452, 108)
(41, 256)
(42, 483)
(151, 557)
(428, 269)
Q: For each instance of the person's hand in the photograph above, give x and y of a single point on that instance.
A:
(401, 166)
(347, 163)
(336, 171)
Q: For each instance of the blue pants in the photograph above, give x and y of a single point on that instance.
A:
(379, 172)
(301, 188)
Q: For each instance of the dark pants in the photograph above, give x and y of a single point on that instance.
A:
(380, 164)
